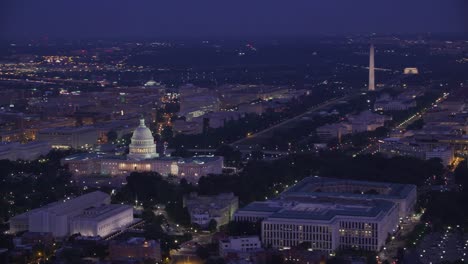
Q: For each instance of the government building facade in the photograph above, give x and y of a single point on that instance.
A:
(143, 157)
(331, 214)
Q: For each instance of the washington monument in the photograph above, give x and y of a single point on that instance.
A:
(371, 69)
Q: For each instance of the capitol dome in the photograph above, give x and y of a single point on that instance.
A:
(142, 144)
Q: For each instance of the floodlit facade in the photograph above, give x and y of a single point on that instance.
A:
(417, 149)
(142, 144)
(371, 69)
(362, 122)
(332, 214)
(189, 168)
(102, 220)
(239, 245)
(142, 157)
(56, 217)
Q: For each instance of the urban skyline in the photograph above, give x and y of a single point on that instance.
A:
(248, 132)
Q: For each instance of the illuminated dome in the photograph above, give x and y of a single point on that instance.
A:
(142, 145)
(152, 83)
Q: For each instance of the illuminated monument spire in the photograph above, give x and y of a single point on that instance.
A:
(371, 69)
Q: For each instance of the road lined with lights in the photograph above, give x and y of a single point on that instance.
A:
(309, 111)
(372, 148)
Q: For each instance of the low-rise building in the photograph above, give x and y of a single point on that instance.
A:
(69, 137)
(203, 209)
(331, 214)
(445, 154)
(367, 121)
(143, 157)
(421, 150)
(362, 122)
(102, 220)
(89, 214)
(27, 151)
(243, 245)
(191, 169)
(330, 131)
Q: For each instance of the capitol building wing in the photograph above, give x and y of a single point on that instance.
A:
(143, 157)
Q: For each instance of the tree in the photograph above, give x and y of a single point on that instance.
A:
(214, 260)
(112, 136)
(127, 138)
(71, 255)
(181, 152)
(416, 125)
(213, 225)
(167, 133)
(371, 191)
(148, 215)
(231, 156)
(203, 252)
(257, 155)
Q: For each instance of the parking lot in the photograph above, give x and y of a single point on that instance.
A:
(448, 245)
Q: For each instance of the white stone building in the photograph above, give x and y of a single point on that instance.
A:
(204, 208)
(89, 214)
(331, 214)
(102, 220)
(142, 157)
(142, 144)
(28, 151)
(239, 245)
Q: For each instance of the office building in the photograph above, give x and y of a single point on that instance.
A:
(69, 137)
(102, 220)
(55, 217)
(332, 214)
(28, 151)
(203, 209)
(142, 157)
(240, 245)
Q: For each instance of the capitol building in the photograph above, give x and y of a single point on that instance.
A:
(143, 157)
(142, 146)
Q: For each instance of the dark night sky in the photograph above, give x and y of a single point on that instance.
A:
(177, 18)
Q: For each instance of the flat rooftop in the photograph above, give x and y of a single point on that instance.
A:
(324, 209)
(66, 130)
(102, 212)
(333, 187)
(64, 207)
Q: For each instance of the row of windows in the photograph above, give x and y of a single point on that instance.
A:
(296, 228)
(142, 142)
(248, 218)
(358, 233)
(358, 225)
(296, 235)
(143, 150)
(316, 245)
